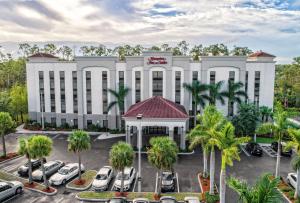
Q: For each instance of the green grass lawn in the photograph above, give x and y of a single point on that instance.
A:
(265, 140)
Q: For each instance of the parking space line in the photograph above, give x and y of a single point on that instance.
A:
(136, 177)
(156, 182)
(12, 198)
(53, 138)
(177, 182)
(242, 147)
(269, 151)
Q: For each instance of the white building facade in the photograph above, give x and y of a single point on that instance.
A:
(76, 92)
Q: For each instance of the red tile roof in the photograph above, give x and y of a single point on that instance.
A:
(43, 55)
(261, 54)
(157, 107)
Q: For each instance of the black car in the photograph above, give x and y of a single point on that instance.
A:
(168, 182)
(254, 149)
(24, 169)
(274, 146)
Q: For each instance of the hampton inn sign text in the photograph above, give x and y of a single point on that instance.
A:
(157, 60)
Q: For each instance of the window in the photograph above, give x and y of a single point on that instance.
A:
(75, 95)
(157, 83)
(105, 124)
(212, 77)
(88, 92)
(42, 94)
(177, 86)
(246, 82)
(137, 86)
(75, 123)
(121, 78)
(63, 121)
(62, 91)
(89, 122)
(104, 92)
(52, 91)
(195, 75)
(231, 76)
(256, 88)
(53, 120)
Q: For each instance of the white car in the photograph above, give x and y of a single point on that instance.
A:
(103, 178)
(51, 167)
(129, 176)
(292, 179)
(140, 200)
(191, 200)
(9, 189)
(65, 173)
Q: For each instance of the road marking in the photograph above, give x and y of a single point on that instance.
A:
(136, 177)
(177, 182)
(12, 198)
(156, 182)
(269, 151)
(55, 136)
(244, 150)
(10, 168)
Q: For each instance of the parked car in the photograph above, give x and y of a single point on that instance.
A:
(51, 167)
(167, 199)
(103, 178)
(168, 181)
(190, 199)
(292, 179)
(254, 149)
(129, 176)
(9, 189)
(65, 173)
(140, 200)
(118, 200)
(274, 146)
(24, 169)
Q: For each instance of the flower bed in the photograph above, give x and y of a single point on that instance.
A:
(35, 186)
(10, 155)
(132, 195)
(86, 181)
(204, 186)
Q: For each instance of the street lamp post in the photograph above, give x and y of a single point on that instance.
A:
(42, 108)
(139, 117)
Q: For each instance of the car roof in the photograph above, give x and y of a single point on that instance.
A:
(3, 184)
(70, 165)
(193, 199)
(49, 163)
(127, 169)
(167, 197)
(140, 200)
(104, 170)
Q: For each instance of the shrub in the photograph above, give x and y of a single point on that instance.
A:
(211, 198)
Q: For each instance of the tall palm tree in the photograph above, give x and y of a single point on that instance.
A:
(264, 190)
(196, 89)
(229, 146)
(79, 141)
(278, 128)
(162, 155)
(24, 150)
(211, 122)
(295, 143)
(234, 93)
(120, 96)
(40, 146)
(121, 155)
(216, 93)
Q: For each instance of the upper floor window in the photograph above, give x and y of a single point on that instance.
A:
(212, 77)
(75, 95)
(256, 88)
(62, 91)
(104, 92)
(137, 86)
(42, 95)
(157, 83)
(121, 78)
(52, 91)
(88, 92)
(231, 76)
(195, 75)
(177, 86)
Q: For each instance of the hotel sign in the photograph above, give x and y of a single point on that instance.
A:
(157, 60)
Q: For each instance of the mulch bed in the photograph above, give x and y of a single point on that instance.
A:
(205, 183)
(121, 194)
(33, 185)
(49, 190)
(9, 156)
(79, 182)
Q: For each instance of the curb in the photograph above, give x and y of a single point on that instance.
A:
(285, 197)
(45, 193)
(81, 189)
(91, 200)
(16, 157)
(179, 153)
(199, 181)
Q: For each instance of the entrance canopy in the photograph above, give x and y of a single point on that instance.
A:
(157, 111)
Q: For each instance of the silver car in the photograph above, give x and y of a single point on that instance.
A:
(51, 167)
(10, 188)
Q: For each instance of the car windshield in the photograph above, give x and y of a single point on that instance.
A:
(125, 177)
(167, 176)
(63, 171)
(168, 201)
(101, 177)
(116, 201)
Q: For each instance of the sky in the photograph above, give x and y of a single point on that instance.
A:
(269, 25)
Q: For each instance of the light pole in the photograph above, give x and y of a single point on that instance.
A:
(139, 117)
(42, 108)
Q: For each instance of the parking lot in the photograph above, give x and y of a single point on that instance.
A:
(187, 167)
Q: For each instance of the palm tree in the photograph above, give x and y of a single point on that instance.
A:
(121, 155)
(6, 124)
(229, 146)
(234, 93)
(79, 141)
(295, 143)
(265, 113)
(162, 155)
(264, 190)
(278, 128)
(24, 150)
(211, 123)
(196, 89)
(120, 96)
(216, 93)
(40, 146)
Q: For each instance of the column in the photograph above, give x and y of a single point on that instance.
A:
(171, 132)
(182, 138)
(139, 159)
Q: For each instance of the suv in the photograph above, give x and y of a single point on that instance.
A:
(24, 169)
(10, 188)
(129, 176)
(274, 146)
(51, 167)
(168, 181)
(254, 149)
